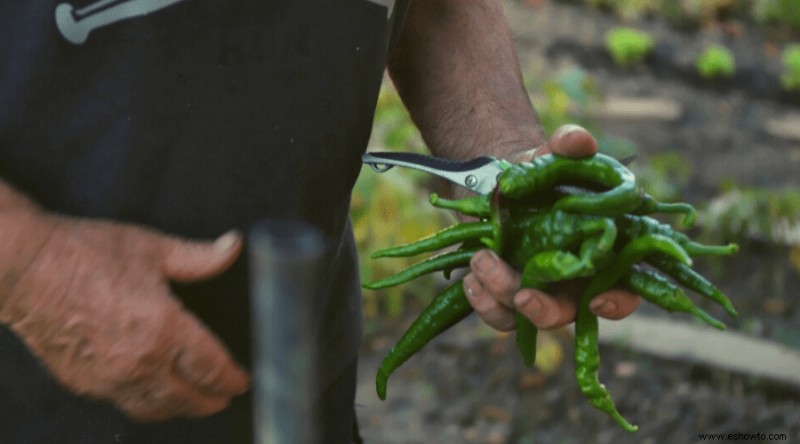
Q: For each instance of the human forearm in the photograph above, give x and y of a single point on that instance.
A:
(457, 72)
(456, 69)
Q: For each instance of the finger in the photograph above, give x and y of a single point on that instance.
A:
(615, 304)
(204, 363)
(572, 141)
(187, 261)
(495, 276)
(486, 305)
(544, 310)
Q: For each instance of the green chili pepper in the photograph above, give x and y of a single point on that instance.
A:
(526, 339)
(692, 280)
(623, 193)
(447, 309)
(545, 172)
(557, 265)
(442, 239)
(654, 288)
(631, 227)
(587, 363)
(535, 203)
(476, 206)
(698, 249)
(633, 252)
(526, 331)
(442, 262)
(556, 230)
(619, 200)
(525, 239)
(587, 353)
(497, 217)
(649, 205)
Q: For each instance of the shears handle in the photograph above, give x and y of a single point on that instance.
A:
(478, 174)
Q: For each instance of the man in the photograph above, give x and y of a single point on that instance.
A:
(131, 127)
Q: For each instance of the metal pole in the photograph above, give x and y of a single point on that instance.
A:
(285, 259)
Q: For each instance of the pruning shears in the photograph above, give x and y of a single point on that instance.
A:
(479, 174)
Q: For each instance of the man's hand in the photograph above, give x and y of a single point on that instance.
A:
(493, 286)
(92, 300)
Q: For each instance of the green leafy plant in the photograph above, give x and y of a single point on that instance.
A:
(791, 68)
(715, 62)
(628, 46)
(766, 214)
(627, 9)
(786, 12)
(705, 11)
(691, 14)
(753, 216)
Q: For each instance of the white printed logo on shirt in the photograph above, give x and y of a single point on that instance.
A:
(75, 25)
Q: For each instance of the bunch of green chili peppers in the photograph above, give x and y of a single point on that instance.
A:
(552, 233)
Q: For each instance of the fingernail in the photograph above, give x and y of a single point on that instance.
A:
(568, 128)
(603, 307)
(486, 263)
(226, 241)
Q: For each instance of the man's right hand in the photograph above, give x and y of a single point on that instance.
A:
(92, 300)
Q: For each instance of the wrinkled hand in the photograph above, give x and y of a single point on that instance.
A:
(492, 287)
(94, 304)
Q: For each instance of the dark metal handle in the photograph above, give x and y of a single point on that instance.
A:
(285, 263)
(411, 160)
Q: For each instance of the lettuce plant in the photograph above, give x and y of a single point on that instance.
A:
(716, 62)
(628, 46)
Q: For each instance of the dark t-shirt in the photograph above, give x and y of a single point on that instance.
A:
(194, 117)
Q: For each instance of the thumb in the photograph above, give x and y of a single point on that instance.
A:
(572, 141)
(186, 261)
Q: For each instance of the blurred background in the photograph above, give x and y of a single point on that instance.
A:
(706, 93)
